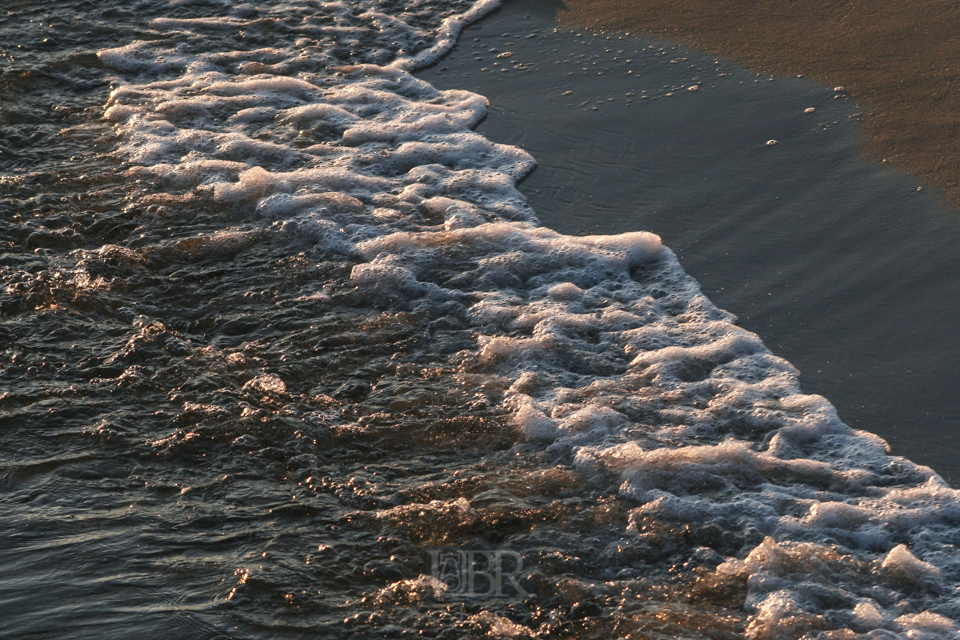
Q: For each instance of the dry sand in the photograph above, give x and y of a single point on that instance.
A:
(898, 58)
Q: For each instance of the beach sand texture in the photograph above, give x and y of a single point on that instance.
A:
(899, 60)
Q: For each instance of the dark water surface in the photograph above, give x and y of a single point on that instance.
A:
(843, 266)
(204, 435)
(126, 512)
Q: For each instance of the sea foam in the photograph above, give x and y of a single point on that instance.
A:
(604, 352)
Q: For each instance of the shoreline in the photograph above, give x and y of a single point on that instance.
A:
(811, 244)
(897, 59)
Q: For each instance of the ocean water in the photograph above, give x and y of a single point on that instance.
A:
(284, 346)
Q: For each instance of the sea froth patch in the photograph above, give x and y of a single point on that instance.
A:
(601, 351)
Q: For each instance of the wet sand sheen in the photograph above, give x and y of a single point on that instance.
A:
(898, 59)
(813, 247)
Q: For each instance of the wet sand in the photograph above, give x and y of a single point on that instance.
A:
(837, 262)
(900, 60)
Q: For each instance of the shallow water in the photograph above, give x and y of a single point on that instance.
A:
(279, 330)
(840, 264)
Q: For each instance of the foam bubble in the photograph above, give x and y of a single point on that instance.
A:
(903, 565)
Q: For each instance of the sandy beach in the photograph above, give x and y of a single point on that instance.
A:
(897, 59)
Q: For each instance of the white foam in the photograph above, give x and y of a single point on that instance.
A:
(447, 36)
(606, 351)
(903, 565)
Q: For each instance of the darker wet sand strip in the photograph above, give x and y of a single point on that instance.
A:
(899, 59)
